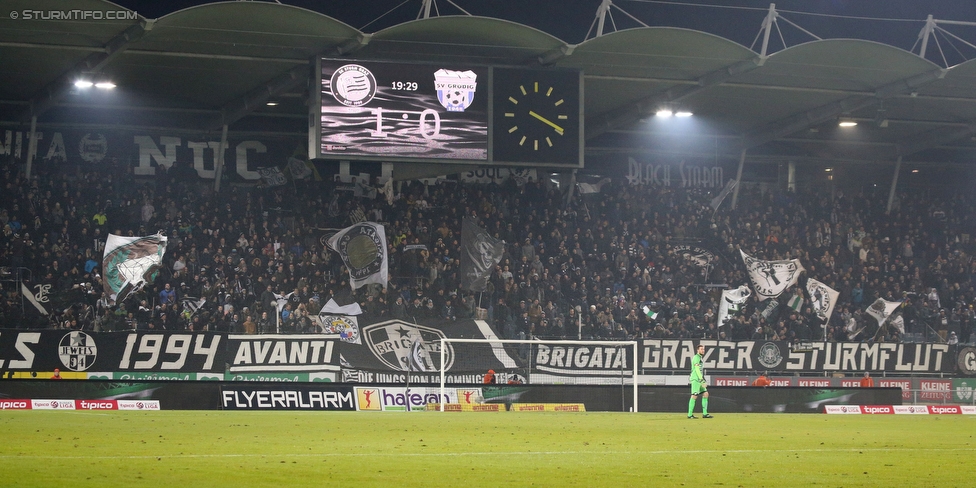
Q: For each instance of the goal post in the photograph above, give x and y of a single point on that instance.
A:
(538, 362)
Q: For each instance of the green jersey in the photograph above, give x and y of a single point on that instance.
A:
(697, 373)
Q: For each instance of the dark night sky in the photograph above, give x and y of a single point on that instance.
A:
(570, 20)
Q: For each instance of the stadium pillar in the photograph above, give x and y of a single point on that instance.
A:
(219, 163)
(31, 148)
(894, 184)
(738, 178)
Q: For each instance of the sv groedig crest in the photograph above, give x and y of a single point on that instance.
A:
(403, 346)
(455, 89)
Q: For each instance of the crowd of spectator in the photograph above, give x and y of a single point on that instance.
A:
(575, 265)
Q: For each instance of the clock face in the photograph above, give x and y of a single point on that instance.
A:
(536, 117)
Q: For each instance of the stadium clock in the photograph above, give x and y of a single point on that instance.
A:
(537, 116)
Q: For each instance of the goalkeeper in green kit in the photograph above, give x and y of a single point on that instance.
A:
(698, 385)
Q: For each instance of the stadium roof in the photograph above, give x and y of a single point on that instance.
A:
(195, 69)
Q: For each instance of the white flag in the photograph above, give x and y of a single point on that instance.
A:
(347, 327)
(771, 278)
(881, 309)
(298, 169)
(899, 323)
(822, 298)
(32, 298)
(272, 176)
(717, 201)
(388, 191)
(333, 308)
(588, 188)
(362, 248)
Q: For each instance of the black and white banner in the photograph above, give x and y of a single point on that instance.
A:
(80, 351)
(395, 351)
(582, 363)
(392, 349)
(285, 352)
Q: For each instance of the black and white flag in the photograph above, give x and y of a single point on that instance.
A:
(43, 291)
(881, 309)
(272, 176)
(771, 278)
(822, 298)
(298, 169)
(732, 301)
(362, 248)
(192, 304)
(480, 252)
(717, 201)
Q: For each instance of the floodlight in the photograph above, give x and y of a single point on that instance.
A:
(664, 113)
(105, 85)
(683, 113)
(84, 84)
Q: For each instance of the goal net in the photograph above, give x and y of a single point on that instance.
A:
(574, 369)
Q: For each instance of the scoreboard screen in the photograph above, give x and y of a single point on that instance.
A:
(449, 113)
(401, 111)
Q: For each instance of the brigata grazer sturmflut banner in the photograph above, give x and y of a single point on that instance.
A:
(396, 351)
(807, 357)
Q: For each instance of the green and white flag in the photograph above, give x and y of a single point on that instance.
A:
(650, 313)
(796, 302)
(130, 262)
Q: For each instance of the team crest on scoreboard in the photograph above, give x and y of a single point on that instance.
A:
(455, 89)
(404, 346)
(353, 85)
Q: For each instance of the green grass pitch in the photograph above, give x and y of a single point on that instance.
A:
(240, 449)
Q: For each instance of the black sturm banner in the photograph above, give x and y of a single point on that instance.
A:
(397, 351)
